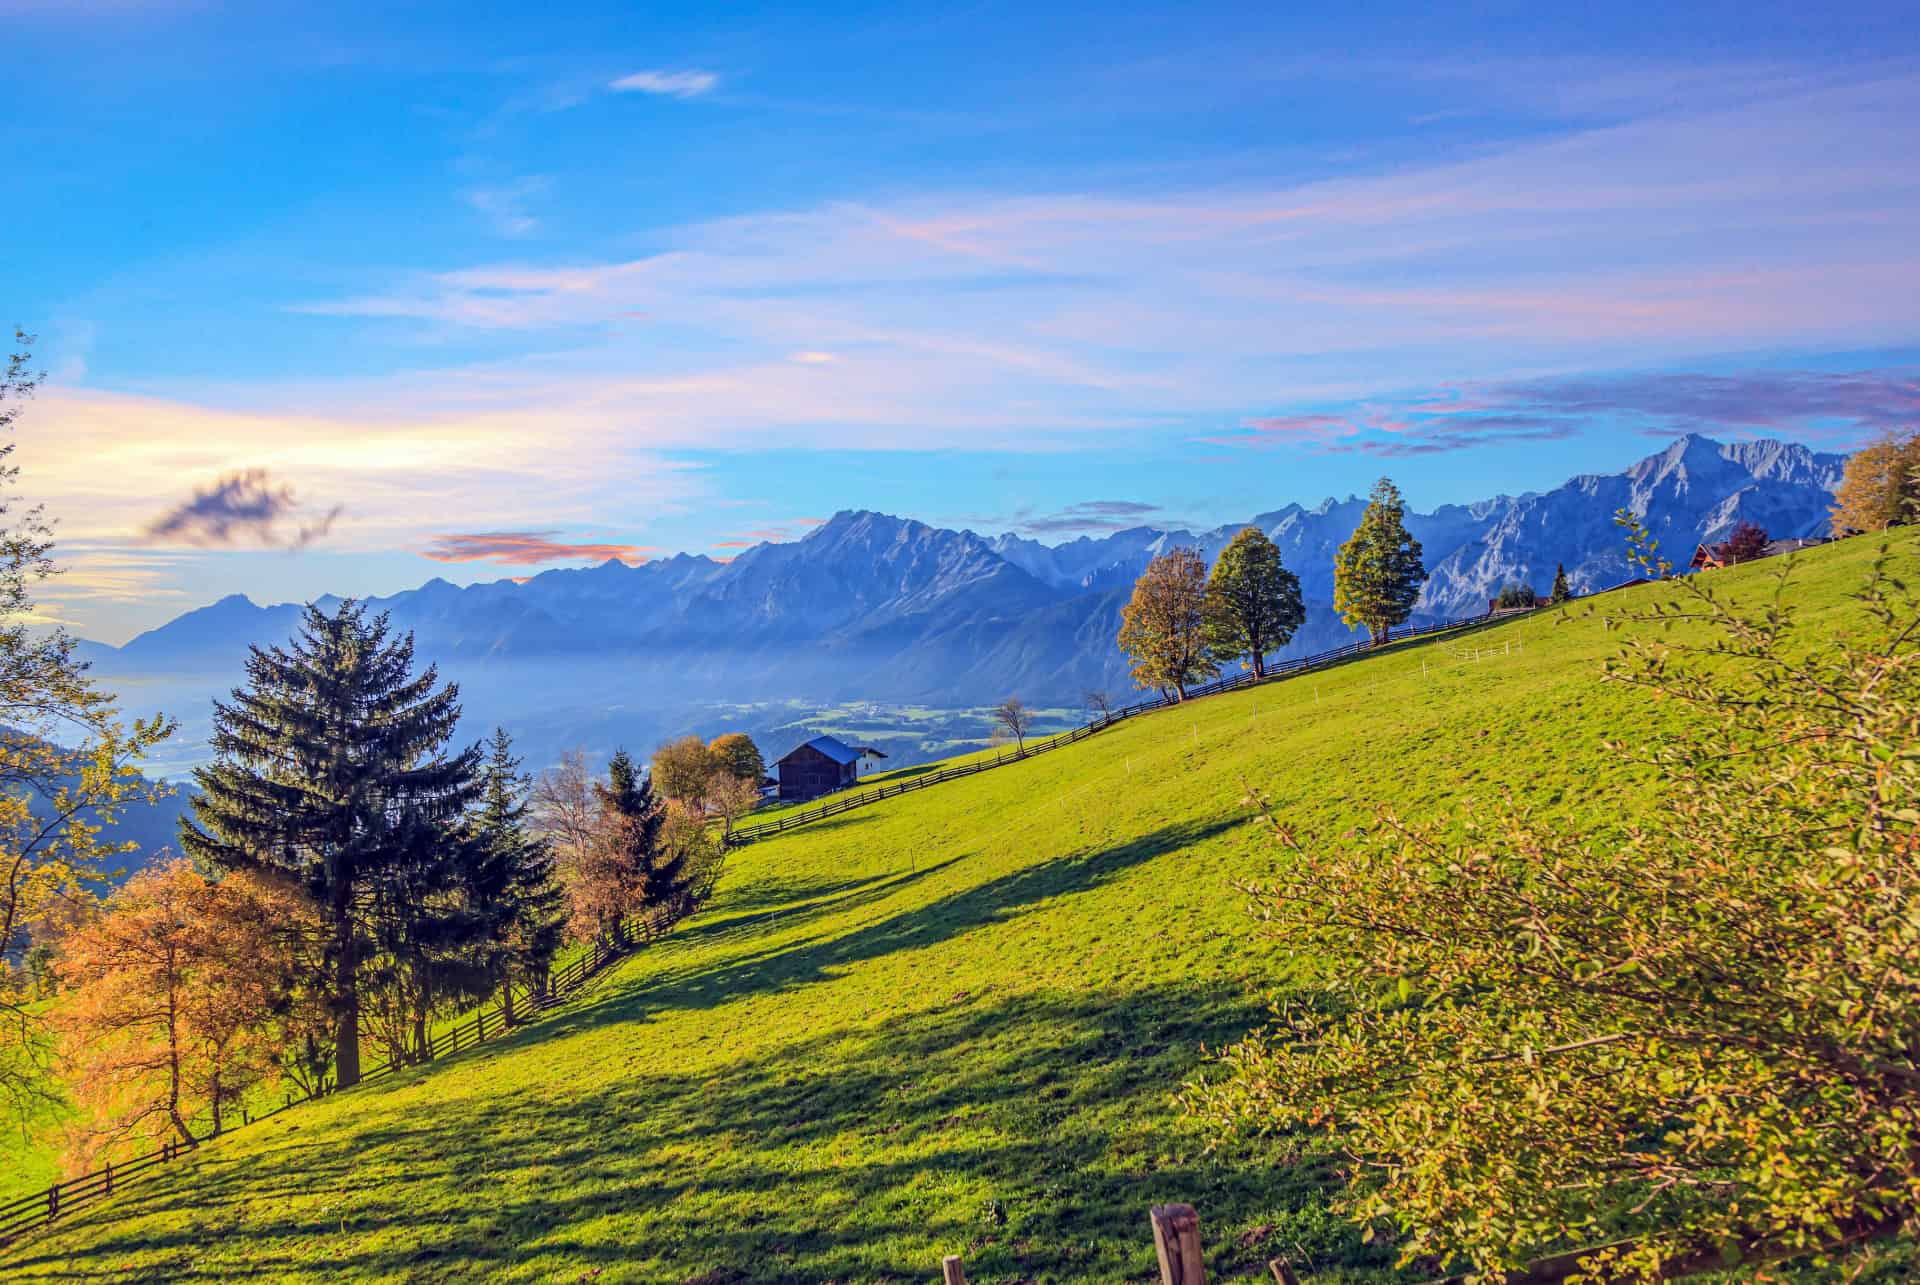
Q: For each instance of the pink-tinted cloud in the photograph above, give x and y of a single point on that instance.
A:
(528, 549)
(1265, 432)
(772, 533)
(1779, 212)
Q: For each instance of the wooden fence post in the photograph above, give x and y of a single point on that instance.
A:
(1282, 1273)
(951, 1272)
(1176, 1238)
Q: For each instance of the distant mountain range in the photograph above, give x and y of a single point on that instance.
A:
(870, 607)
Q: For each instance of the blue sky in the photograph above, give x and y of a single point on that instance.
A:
(475, 289)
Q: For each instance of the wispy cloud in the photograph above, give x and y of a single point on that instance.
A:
(1841, 407)
(505, 206)
(1782, 219)
(528, 549)
(782, 532)
(246, 507)
(674, 84)
(1833, 405)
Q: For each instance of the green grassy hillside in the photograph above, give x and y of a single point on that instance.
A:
(951, 1022)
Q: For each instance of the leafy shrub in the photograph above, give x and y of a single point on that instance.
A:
(1693, 1041)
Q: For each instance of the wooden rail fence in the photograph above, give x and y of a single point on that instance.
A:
(1275, 671)
(40, 1208)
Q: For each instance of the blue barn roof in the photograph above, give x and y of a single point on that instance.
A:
(834, 748)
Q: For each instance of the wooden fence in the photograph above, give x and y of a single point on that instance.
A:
(40, 1208)
(1276, 670)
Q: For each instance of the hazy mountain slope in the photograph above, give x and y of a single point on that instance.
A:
(953, 1022)
(874, 607)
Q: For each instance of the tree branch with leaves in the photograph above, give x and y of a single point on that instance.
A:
(1691, 1039)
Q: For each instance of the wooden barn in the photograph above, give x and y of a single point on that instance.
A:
(821, 766)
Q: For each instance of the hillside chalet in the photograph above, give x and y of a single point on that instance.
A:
(821, 766)
(1711, 557)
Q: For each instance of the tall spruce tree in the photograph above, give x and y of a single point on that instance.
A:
(1378, 573)
(331, 765)
(512, 881)
(1253, 602)
(1562, 591)
(428, 936)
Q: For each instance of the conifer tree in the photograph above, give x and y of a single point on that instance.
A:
(1562, 591)
(653, 875)
(513, 884)
(1253, 602)
(1378, 573)
(331, 765)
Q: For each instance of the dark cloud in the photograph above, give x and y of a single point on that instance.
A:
(1089, 516)
(527, 549)
(1843, 405)
(247, 507)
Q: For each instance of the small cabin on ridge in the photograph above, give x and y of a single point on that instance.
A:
(821, 766)
(1711, 557)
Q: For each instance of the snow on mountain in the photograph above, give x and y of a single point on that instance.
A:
(871, 606)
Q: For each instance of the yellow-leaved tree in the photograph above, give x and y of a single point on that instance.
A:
(1881, 485)
(1164, 626)
(68, 767)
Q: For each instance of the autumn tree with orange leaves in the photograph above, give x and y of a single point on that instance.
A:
(69, 768)
(177, 1001)
(1163, 627)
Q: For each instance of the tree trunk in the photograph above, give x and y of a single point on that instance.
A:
(346, 1007)
(173, 1052)
(506, 1001)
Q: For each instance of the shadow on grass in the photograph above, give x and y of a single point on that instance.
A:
(798, 903)
(1031, 1134)
(790, 965)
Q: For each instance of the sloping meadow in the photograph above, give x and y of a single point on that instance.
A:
(950, 1023)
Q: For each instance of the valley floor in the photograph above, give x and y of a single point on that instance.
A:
(950, 1023)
